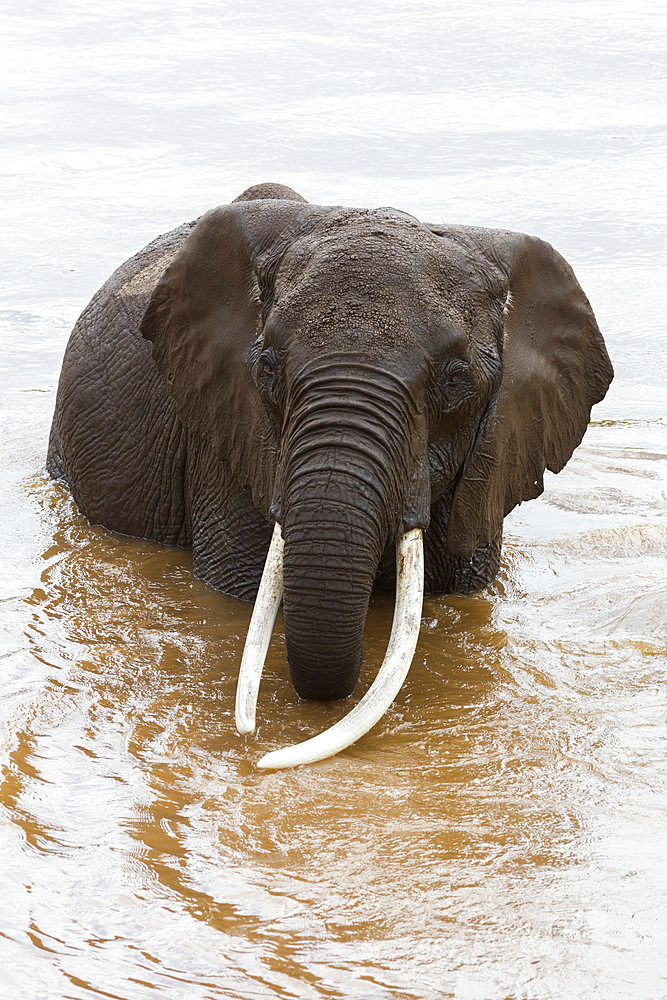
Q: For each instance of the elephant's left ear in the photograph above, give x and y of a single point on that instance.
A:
(555, 367)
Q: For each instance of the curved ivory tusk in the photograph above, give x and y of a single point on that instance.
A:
(392, 673)
(269, 596)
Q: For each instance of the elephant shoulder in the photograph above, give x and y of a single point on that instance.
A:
(116, 437)
(131, 285)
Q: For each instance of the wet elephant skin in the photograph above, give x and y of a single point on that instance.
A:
(350, 373)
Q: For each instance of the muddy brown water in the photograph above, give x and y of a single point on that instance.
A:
(502, 832)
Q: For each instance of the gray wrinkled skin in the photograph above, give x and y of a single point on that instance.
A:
(352, 374)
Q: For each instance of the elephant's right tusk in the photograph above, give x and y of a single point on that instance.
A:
(269, 596)
(392, 673)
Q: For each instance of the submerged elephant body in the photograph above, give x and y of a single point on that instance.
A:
(349, 374)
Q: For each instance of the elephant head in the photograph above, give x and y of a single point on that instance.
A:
(353, 368)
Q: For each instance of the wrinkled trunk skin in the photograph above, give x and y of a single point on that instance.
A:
(331, 555)
(343, 489)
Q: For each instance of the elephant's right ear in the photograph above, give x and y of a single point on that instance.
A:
(203, 318)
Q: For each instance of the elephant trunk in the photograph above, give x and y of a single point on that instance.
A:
(344, 485)
(331, 557)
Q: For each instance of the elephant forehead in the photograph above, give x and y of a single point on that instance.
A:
(384, 275)
(367, 249)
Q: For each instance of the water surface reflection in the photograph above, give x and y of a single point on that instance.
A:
(483, 810)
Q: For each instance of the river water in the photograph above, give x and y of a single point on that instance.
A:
(502, 833)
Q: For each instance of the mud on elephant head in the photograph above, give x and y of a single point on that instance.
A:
(362, 380)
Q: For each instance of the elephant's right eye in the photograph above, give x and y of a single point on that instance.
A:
(267, 367)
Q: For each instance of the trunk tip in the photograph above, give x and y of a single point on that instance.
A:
(322, 682)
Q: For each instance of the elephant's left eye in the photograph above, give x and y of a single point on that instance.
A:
(455, 373)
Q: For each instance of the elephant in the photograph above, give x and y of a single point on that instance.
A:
(320, 400)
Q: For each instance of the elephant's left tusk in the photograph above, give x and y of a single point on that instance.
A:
(269, 596)
(392, 673)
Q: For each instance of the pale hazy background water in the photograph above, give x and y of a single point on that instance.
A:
(503, 832)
